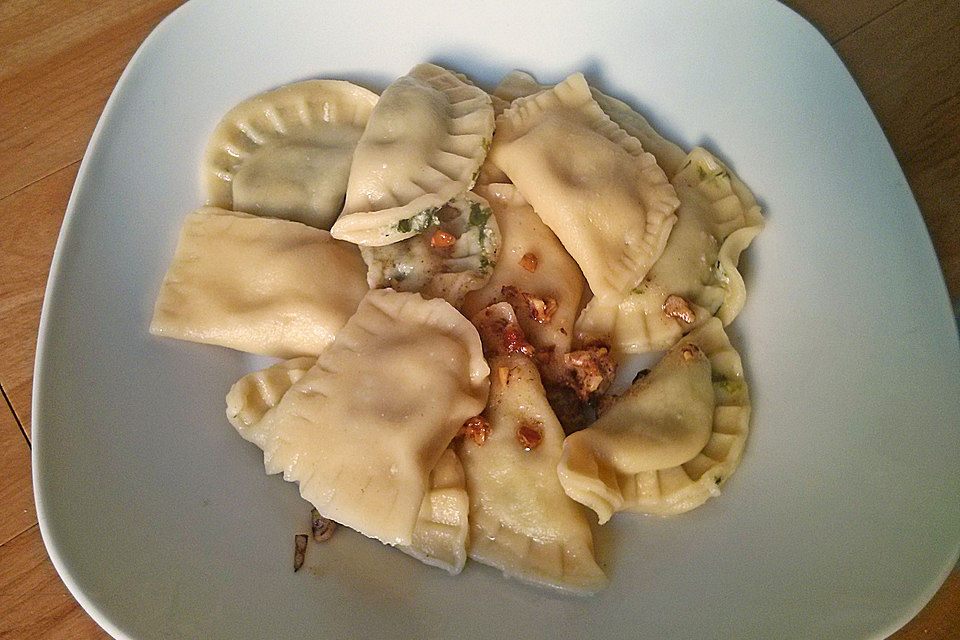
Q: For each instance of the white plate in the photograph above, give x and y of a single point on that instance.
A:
(844, 517)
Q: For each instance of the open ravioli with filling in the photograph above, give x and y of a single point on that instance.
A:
(521, 521)
(286, 153)
(697, 276)
(363, 456)
(593, 184)
(453, 256)
(667, 444)
(260, 285)
(440, 533)
(423, 145)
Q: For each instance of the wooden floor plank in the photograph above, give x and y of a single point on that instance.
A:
(34, 603)
(907, 63)
(940, 619)
(47, 121)
(838, 19)
(31, 221)
(17, 513)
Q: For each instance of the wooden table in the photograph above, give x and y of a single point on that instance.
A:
(60, 59)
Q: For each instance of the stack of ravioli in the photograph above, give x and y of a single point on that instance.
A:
(428, 264)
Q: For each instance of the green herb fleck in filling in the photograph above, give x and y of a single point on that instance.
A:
(478, 215)
(419, 222)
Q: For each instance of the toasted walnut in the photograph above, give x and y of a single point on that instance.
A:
(529, 262)
(677, 307)
(477, 428)
(690, 352)
(590, 370)
(322, 527)
(514, 341)
(529, 435)
(500, 332)
(541, 309)
(299, 550)
(442, 239)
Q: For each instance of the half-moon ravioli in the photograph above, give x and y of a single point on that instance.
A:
(667, 444)
(440, 533)
(260, 285)
(423, 145)
(286, 153)
(362, 429)
(521, 521)
(593, 184)
(697, 276)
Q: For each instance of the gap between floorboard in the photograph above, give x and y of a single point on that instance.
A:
(834, 43)
(13, 412)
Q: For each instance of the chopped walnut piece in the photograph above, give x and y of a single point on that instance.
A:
(500, 332)
(299, 550)
(476, 428)
(677, 307)
(690, 352)
(529, 262)
(322, 527)
(529, 435)
(541, 309)
(590, 370)
(442, 239)
(514, 341)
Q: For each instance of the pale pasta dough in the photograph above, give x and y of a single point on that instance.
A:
(423, 145)
(521, 521)
(667, 444)
(697, 276)
(518, 84)
(440, 533)
(604, 197)
(260, 285)
(286, 153)
(442, 528)
(362, 429)
(448, 259)
(254, 394)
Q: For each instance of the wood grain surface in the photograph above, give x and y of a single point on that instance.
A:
(59, 61)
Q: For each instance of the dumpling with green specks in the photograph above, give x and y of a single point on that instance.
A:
(423, 146)
(696, 277)
(454, 255)
(666, 445)
(286, 153)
